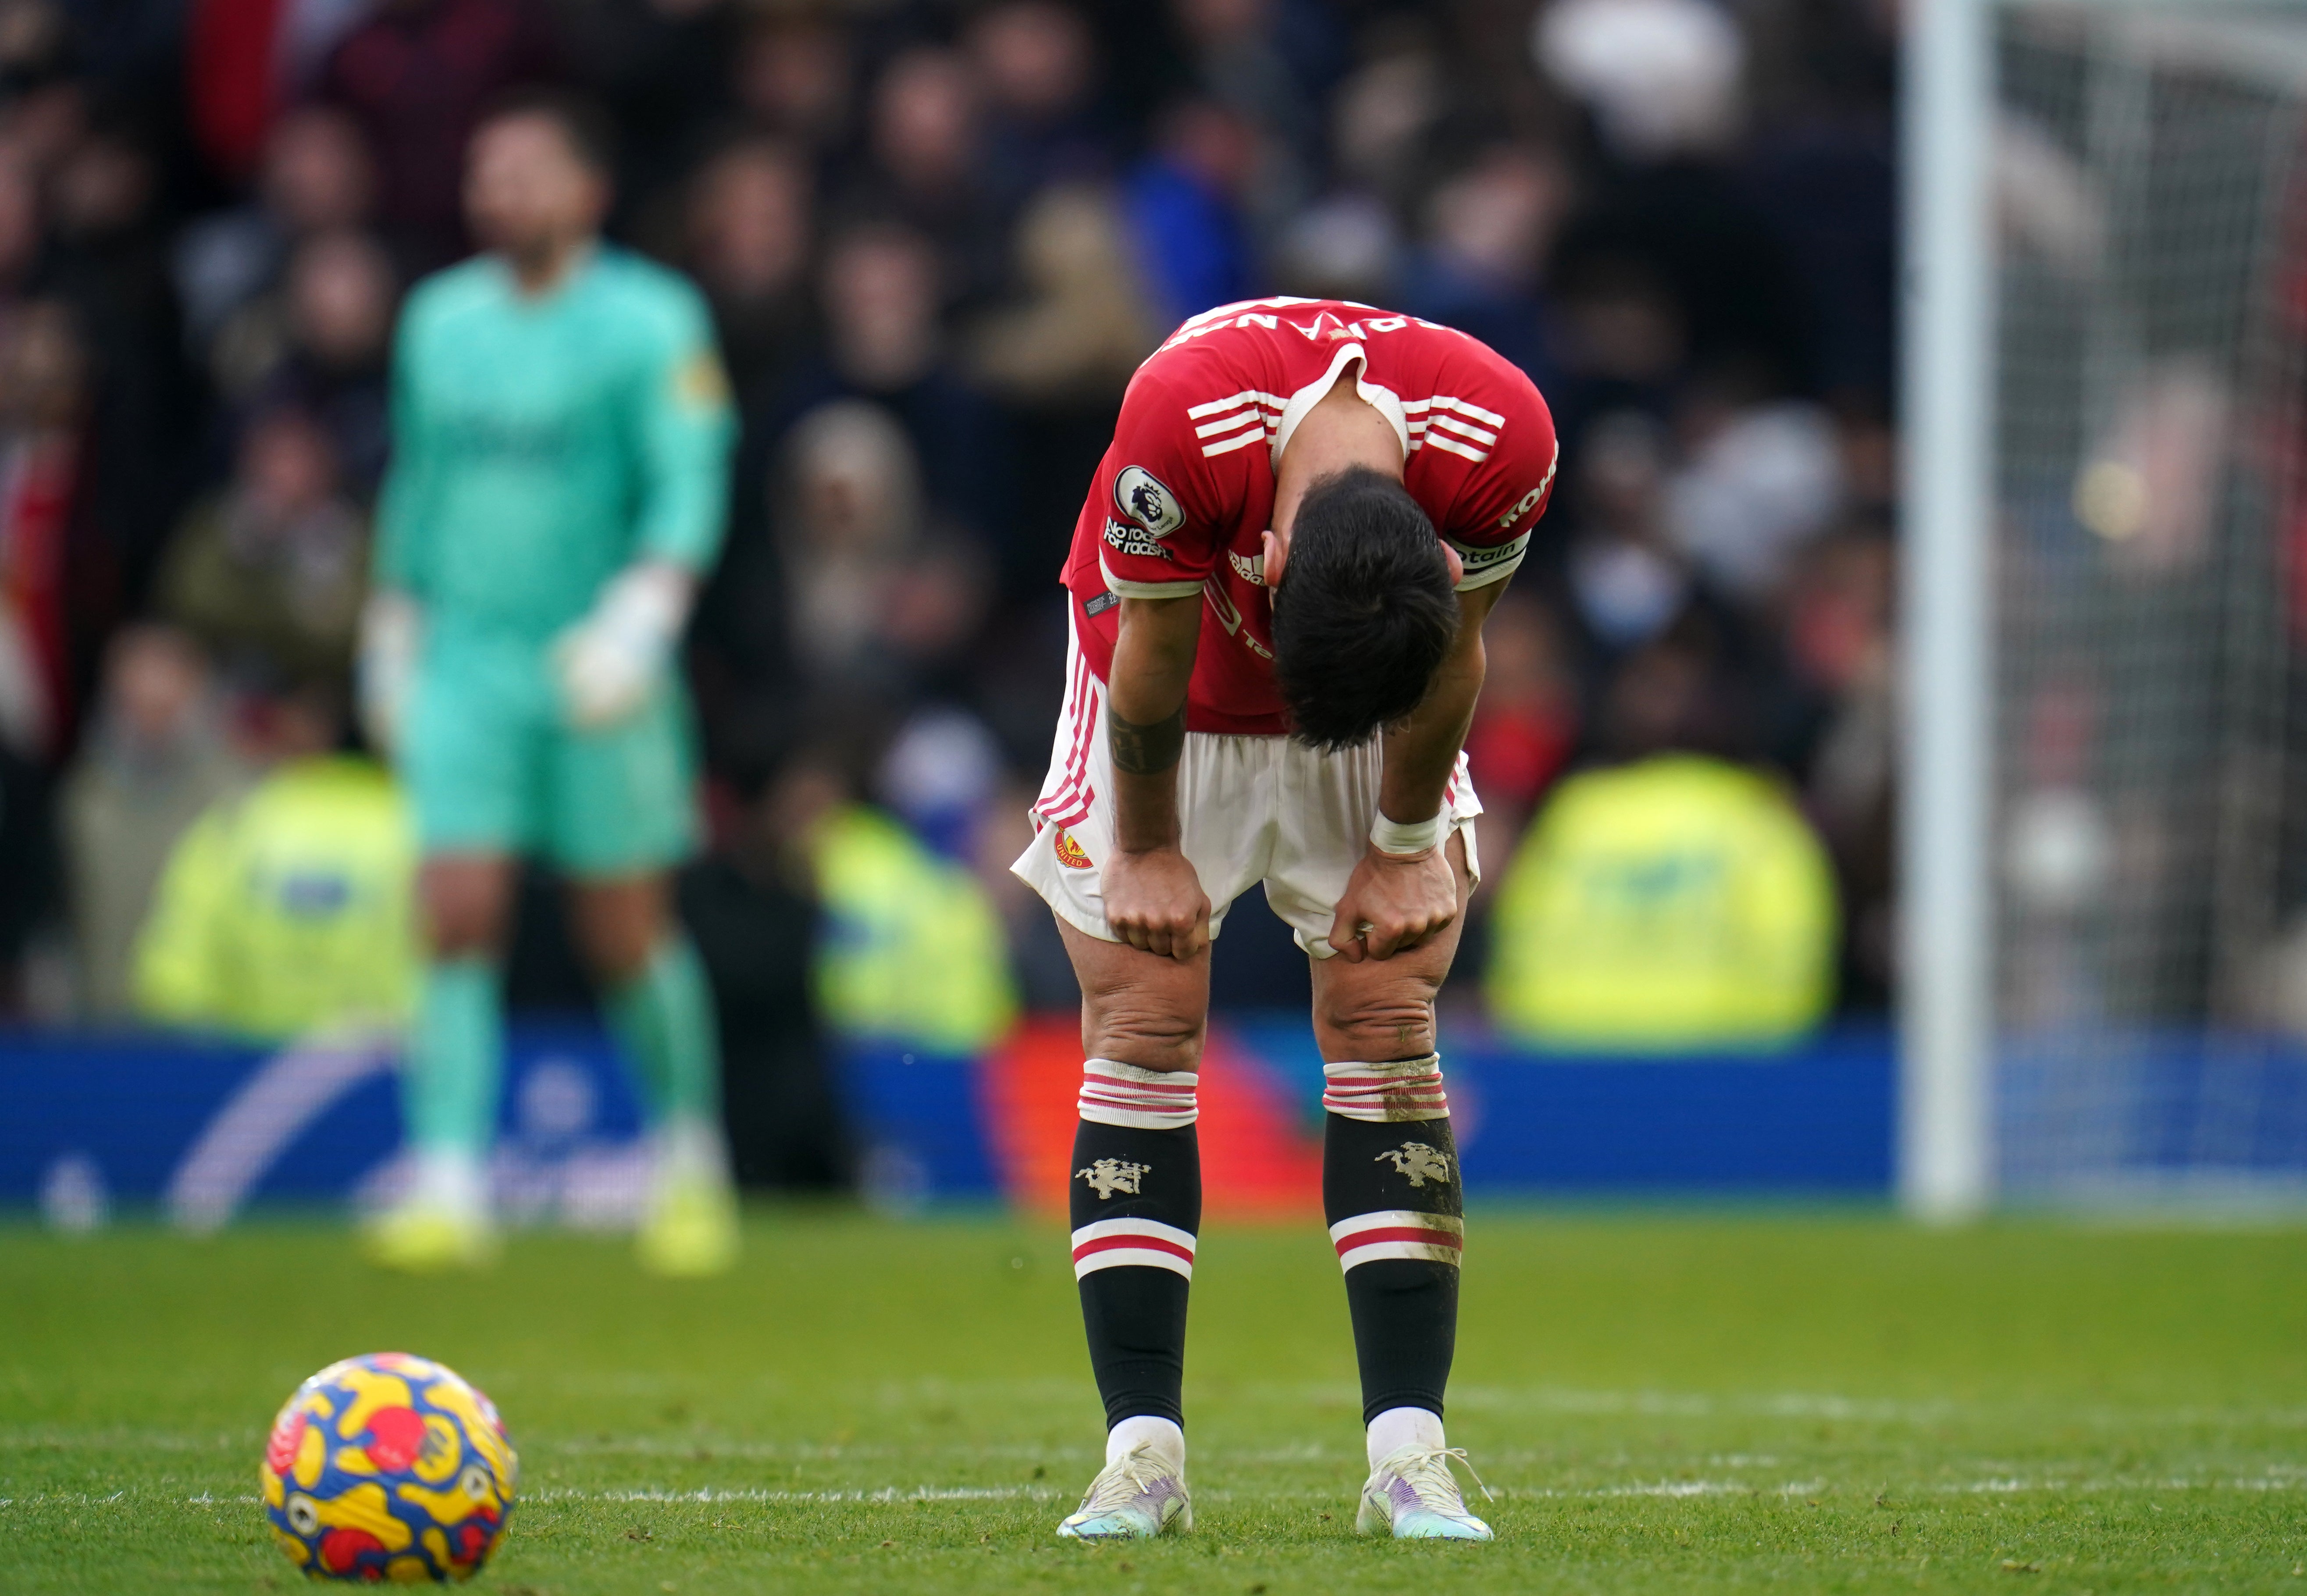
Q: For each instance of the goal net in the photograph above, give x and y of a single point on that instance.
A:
(2150, 801)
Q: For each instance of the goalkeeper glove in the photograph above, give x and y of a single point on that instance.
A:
(609, 663)
(391, 628)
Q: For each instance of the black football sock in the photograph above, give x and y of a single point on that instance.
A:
(1136, 1204)
(1391, 1193)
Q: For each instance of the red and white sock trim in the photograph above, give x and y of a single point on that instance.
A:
(1116, 1093)
(1385, 1093)
(1147, 1243)
(1399, 1233)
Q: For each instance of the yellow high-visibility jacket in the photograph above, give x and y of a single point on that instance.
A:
(1677, 904)
(913, 950)
(289, 909)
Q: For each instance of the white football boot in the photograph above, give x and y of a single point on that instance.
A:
(1135, 1497)
(1412, 1496)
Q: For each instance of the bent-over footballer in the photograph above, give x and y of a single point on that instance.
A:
(1277, 588)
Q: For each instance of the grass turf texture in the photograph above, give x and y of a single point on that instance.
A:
(1661, 1403)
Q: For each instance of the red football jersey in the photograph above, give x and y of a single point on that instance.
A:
(1183, 496)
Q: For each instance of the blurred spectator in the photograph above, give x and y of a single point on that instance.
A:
(912, 952)
(926, 166)
(244, 60)
(155, 759)
(21, 226)
(884, 340)
(289, 910)
(1525, 725)
(1661, 77)
(1759, 480)
(27, 880)
(1038, 66)
(1675, 903)
(941, 771)
(1487, 233)
(658, 69)
(416, 75)
(271, 576)
(1823, 165)
(109, 262)
(871, 598)
(322, 346)
(43, 384)
(1627, 581)
(1838, 629)
(1383, 114)
(1623, 340)
(1268, 63)
(1185, 203)
(1345, 247)
(749, 907)
(1059, 357)
(318, 177)
(1086, 322)
(794, 79)
(748, 236)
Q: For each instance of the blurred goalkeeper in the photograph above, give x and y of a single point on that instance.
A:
(561, 432)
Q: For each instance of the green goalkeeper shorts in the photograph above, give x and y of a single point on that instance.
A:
(492, 765)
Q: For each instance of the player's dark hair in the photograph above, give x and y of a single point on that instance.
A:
(1364, 612)
(588, 131)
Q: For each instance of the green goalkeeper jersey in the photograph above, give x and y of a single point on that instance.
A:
(542, 444)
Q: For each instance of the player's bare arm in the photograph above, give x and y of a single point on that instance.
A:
(1153, 900)
(1398, 901)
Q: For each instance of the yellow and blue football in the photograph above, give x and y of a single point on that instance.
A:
(388, 1467)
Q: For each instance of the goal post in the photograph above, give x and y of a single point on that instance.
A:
(2104, 891)
(1946, 1024)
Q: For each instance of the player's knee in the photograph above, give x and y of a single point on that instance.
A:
(1388, 1020)
(616, 951)
(619, 927)
(467, 911)
(1150, 1035)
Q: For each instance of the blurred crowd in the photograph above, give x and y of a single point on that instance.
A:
(937, 237)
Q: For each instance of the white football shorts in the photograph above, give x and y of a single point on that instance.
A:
(1252, 809)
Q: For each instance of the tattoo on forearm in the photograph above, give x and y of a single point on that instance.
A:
(1148, 749)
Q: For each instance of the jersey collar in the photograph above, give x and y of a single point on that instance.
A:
(1385, 400)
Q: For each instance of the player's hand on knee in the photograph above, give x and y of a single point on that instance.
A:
(1393, 903)
(1155, 901)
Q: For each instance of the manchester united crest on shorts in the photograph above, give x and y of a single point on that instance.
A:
(1070, 852)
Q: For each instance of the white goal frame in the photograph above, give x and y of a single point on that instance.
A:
(1946, 1151)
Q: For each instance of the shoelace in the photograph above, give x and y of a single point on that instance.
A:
(1134, 1475)
(1423, 1466)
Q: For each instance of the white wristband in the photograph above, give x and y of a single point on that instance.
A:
(1393, 836)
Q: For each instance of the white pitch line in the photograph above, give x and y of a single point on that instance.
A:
(888, 1493)
(2280, 1478)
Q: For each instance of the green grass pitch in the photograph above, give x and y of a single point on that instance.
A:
(1661, 1401)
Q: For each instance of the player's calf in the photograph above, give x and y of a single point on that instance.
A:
(1137, 1207)
(1391, 1192)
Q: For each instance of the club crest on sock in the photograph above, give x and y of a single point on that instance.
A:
(1417, 1162)
(1106, 1175)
